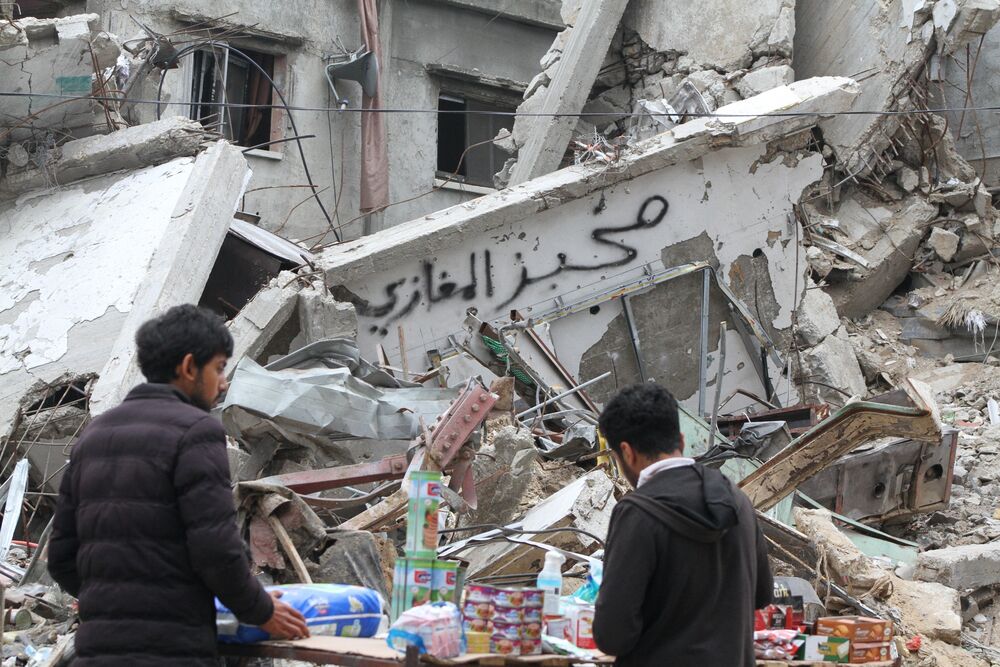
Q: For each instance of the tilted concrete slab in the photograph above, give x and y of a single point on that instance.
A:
(88, 263)
(707, 186)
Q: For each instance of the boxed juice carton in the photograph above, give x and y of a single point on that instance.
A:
(581, 624)
(422, 514)
(855, 628)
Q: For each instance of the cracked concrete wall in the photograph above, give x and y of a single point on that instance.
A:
(53, 57)
(89, 262)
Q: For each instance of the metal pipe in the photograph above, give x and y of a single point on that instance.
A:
(718, 384)
(703, 367)
(566, 393)
(634, 335)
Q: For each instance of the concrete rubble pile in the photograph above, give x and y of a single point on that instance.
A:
(821, 297)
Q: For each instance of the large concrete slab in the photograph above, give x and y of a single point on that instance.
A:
(89, 262)
(581, 231)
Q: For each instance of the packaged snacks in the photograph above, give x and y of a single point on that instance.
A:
(532, 614)
(855, 628)
(434, 628)
(824, 649)
(422, 514)
(508, 597)
(329, 609)
(776, 644)
(477, 642)
(443, 581)
(862, 652)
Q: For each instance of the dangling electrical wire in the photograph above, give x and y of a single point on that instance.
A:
(284, 104)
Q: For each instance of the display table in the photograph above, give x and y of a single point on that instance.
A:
(800, 663)
(351, 652)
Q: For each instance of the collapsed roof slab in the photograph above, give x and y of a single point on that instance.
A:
(134, 147)
(885, 45)
(590, 229)
(89, 262)
(45, 61)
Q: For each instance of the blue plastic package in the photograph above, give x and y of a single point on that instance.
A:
(329, 609)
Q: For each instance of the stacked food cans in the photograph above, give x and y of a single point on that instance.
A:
(420, 578)
(510, 617)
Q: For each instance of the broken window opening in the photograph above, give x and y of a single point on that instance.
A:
(457, 132)
(222, 77)
(70, 393)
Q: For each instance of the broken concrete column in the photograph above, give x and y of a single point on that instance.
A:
(503, 469)
(849, 567)
(574, 76)
(264, 316)
(322, 316)
(961, 567)
(829, 367)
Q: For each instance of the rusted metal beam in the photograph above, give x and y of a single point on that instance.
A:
(910, 413)
(313, 481)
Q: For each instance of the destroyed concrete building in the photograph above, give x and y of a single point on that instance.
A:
(782, 211)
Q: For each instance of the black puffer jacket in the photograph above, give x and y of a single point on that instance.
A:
(145, 533)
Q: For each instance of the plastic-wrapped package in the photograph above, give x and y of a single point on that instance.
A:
(776, 644)
(435, 629)
(330, 609)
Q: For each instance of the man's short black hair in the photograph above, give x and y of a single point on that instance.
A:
(645, 416)
(164, 341)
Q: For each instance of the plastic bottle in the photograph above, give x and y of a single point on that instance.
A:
(550, 581)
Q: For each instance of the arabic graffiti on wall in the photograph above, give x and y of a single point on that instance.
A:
(431, 285)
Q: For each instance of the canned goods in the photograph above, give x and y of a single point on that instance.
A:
(482, 610)
(508, 630)
(533, 597)
(509, 597)
(504, 646)
(532, 614)
(479, 593)
(531, 630)
(478, 625)
(511, 615)
(531, 647)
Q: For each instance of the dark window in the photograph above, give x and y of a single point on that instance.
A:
(221, 76)
(458, 131)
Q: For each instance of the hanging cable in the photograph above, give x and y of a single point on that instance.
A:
(284, 105)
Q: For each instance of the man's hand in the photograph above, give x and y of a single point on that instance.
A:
(285, 622)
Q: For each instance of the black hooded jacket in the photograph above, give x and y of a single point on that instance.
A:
(684, 568)
(145, 534)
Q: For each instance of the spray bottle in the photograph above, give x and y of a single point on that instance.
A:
(550, 581)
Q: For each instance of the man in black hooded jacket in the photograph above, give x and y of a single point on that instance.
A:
(685, 563)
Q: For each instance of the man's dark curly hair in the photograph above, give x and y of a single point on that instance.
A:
(164, 341)
(644, 416)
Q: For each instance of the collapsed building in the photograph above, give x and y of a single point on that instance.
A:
(756, 206)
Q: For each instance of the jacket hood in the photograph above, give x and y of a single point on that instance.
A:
(695, 501)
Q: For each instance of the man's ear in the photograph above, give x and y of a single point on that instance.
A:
(187, 369)
(627, 453)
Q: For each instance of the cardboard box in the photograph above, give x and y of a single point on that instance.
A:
(855, 628)
(873, 652)
(824, 649)
(581, 624)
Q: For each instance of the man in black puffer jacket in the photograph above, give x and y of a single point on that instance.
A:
(145, 529)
